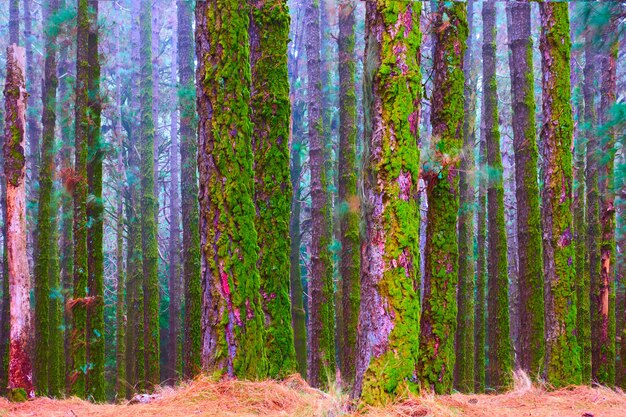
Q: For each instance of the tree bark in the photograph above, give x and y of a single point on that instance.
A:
(562, 364)
(531, 343)
(189, 192)
(348, 200)
(435, 368)
(321, 353)
(498, 340)
(270, 114)
(232, 315)
(20, 380)
(388, 332)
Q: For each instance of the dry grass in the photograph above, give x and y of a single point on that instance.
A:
(294, 397)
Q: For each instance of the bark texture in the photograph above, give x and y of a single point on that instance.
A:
(531, 332)
(500, 353)
(562, 363)
(435, 368)
(270, 113)
(233, 341)
(20, 378)
(388, 338)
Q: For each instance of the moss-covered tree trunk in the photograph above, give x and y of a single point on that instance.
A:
(79, 186)
(148, 201)
(464, 365)
(531, 331)
(173, 362)
(480, 325)
(321, 329)
(562, 362)
(46, 359)
(388, 332)
(270, 114)
(232, 314)
(435, 368)
(20, 377)
(348, 200)
(603, 292)
(192, 343)
(95, 223)
(500, 350)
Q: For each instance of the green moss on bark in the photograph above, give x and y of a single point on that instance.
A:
(562, 362)
(436, 363)
(233, 339)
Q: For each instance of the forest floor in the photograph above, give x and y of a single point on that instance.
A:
(294, 397)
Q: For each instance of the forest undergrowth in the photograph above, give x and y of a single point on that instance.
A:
(294, 397)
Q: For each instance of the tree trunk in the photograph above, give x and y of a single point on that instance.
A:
(172, 368)
(46, 351)
(192, 344)
(464, 366)
(388, 332)
(270, 114)
(148, 201)
(562, 366)
(531, 343)
(480, 324)
(232, 315)
(500, 352)
(605, 289)
(95, 228)
(348, 200)
(321, 352)
(79, 301)
(435, 368)
(20, 381)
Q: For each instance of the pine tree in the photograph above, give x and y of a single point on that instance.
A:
(46, 351)
(232, 315)
(79, 185)
(435, 367)
(270, 114)
(348, 200)
(189, 192)
(500, 351)
(388, 338)
(321, 329)
(531, 341)
(562, 363)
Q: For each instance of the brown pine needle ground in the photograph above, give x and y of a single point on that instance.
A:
(294, 397)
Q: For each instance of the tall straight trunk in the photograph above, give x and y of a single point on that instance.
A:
(46, 351)
(298, 315)
(121, 310)
(232, 314)
(148, 201)
(531, 331)
(192, 343)
(79, 300)
(95, 211)
(583, 314)
(14, 38)
(435, 368)
(604, 290)
(348, 200)
(156, 81)
(270, 114)
(480, 318)
(172, 370)
(67, 218)
(135, 363)
(321, 352)
(20, 380)
(464, 366)
(388, 332)
(498, 340)
(562, 363)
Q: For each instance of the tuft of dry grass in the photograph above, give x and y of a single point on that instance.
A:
(294, 397)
